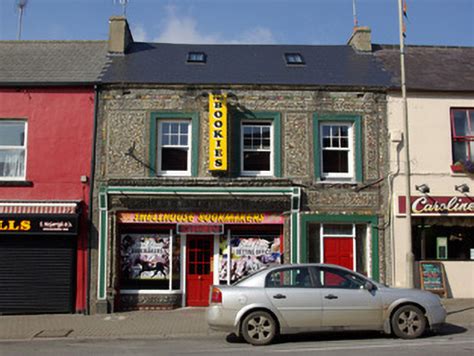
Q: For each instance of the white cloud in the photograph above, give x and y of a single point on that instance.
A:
(184, 29)
(259, 35)
(139, 33)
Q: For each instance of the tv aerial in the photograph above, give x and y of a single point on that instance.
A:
(20, 5)
(122, 3)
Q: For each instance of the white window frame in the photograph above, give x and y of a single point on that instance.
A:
(272, 148)
(350, 151)
(24, 148)
(160, 146)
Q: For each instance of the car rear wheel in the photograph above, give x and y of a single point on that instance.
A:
(259, 328)
(408, 322)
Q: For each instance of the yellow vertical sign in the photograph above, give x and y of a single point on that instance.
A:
(217, 132)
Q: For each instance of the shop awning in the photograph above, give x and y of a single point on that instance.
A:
(60, 208)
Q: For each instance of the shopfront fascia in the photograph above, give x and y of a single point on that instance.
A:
(188, 229)
(368, 260)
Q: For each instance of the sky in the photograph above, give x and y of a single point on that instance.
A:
(314, 22)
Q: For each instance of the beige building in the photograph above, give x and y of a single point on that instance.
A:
(440, 84)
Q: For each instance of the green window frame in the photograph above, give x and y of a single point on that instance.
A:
(193, 117)
(356, 122)
(238, 118)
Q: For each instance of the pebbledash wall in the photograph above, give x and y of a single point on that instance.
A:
(295, 215)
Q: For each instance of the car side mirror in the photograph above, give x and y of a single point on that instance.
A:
(370, 286)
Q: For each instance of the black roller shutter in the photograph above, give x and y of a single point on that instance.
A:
(37, 274)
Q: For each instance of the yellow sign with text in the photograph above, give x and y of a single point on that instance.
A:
(218, 132)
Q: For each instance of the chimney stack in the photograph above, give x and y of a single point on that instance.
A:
(120, 36)
(361, 39)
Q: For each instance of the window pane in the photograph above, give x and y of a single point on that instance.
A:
(256, 161)
(341, 230)
(344, 142)
(335, 162)
(165, 139)
(184, 128)
(174, 140)
(460, 123)
(344, 131)
(459, 151)
(290, 278)
(165, 127)
(326, 131)
(174, 159)
(326, 142)
(183, 140)
(335, 142)
(471, 119)
(174, 128)
(266, 143)
(12, 133)
(12, 163)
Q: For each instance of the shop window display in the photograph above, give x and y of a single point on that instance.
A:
(436, 242)
(248, 255)
(145, 261)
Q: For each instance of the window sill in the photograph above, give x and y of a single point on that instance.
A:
(16, 183)
(337, 182)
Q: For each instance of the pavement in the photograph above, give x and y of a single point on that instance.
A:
(184, 322)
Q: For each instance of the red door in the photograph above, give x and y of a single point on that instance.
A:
(198, 270)
(339, 251)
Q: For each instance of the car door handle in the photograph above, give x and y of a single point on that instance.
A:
(279, 296)
(331, 296)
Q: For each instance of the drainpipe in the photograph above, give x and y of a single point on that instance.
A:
(409, 253)
(91, 196)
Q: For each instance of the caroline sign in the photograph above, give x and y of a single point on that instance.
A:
(217, 132)
(198, 218)
(428, 205)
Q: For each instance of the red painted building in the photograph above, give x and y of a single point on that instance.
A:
(47, 113)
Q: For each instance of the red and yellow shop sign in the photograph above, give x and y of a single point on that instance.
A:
(198, 218)
(218, 132)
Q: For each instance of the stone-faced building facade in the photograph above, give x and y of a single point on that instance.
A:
(302, 130)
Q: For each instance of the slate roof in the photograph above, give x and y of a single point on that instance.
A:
(430, 68)
(51, 62)
(159, 63)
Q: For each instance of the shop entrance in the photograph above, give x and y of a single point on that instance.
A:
(198, 270)
(339, 251)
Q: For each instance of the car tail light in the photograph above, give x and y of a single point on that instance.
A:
(216, 295)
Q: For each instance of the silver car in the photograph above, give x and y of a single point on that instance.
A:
(319, 297)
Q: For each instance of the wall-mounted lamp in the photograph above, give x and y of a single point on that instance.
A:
(462, 188)
(422, 188)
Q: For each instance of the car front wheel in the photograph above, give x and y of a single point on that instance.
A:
(259, 328)
(408, 322)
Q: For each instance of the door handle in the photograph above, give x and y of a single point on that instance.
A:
(331, 296)
(279, 296)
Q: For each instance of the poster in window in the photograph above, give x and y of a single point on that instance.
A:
(248, 255)
(145, 256)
